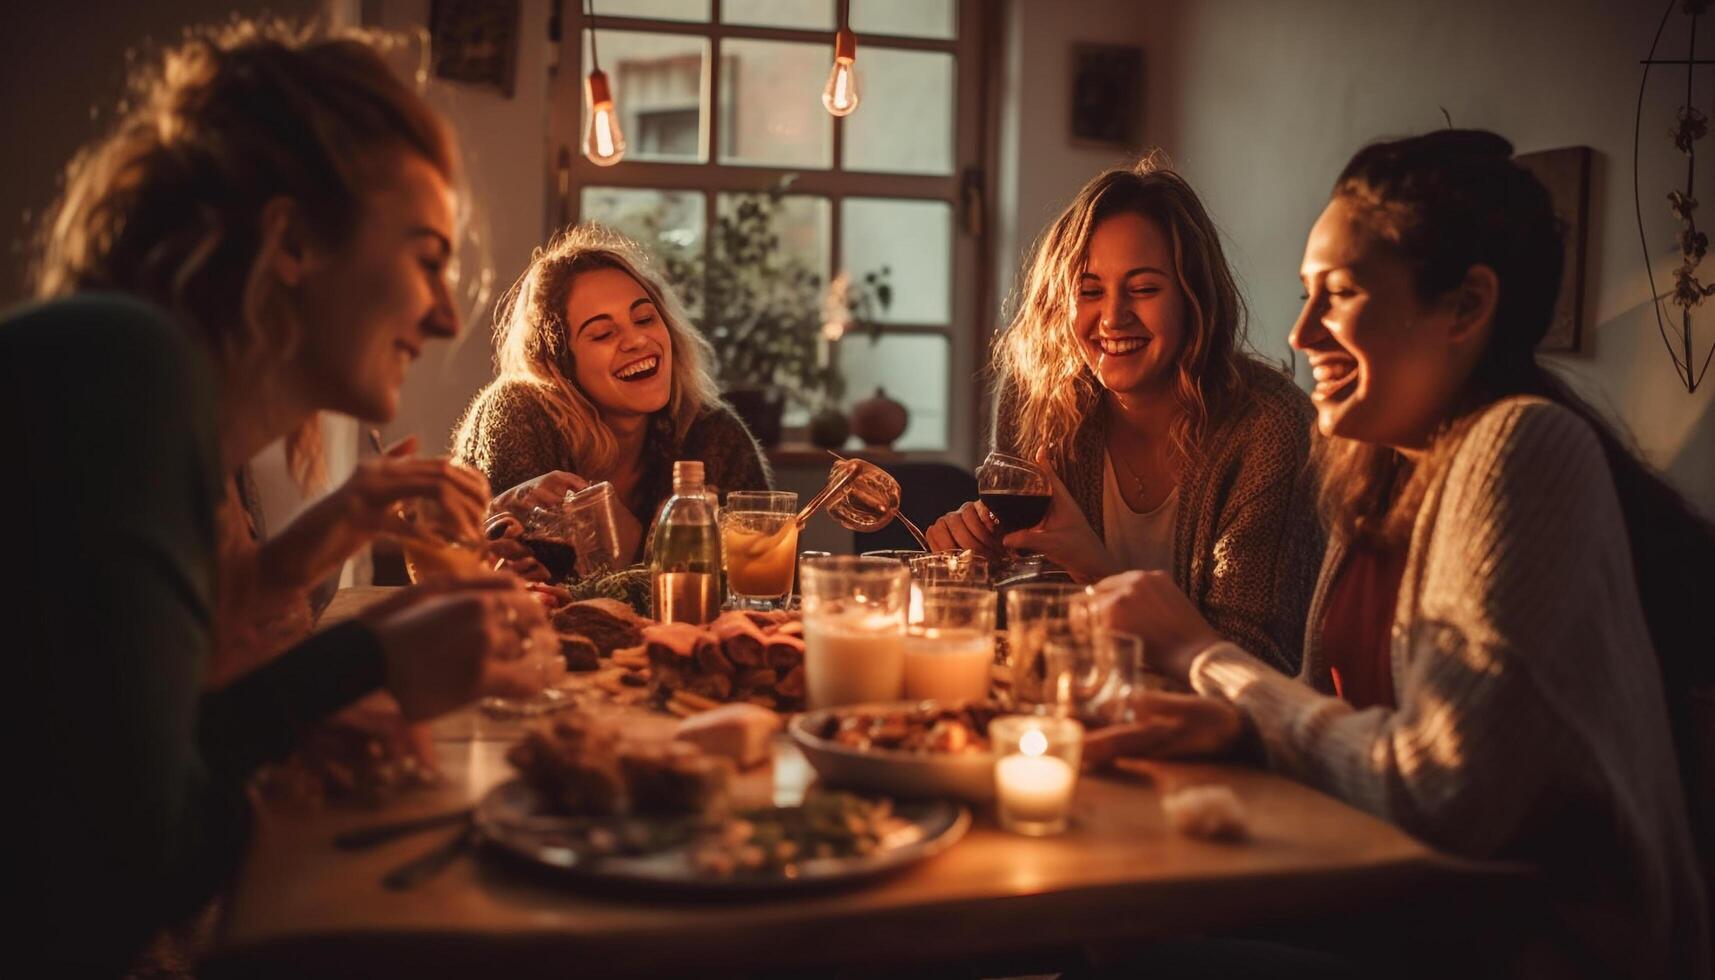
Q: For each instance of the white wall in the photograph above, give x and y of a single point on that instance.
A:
(61, 83)
(1260, 102)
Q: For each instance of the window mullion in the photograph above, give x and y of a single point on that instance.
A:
(711, 197)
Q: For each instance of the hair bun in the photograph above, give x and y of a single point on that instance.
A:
(1468, 143)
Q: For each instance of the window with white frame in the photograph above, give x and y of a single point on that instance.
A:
(721, 99)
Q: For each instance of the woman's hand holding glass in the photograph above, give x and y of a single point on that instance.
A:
(547, 491)
(1014, 496)
(1150, 606)
(1064, 536)
(970, 528)
(448, 499)
(452, 641)
(370, 498)
(505, 535)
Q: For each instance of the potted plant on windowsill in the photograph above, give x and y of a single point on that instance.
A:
(761, 305)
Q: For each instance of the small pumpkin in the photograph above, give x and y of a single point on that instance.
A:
(879, 420)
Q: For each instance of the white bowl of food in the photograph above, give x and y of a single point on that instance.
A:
(908, 749)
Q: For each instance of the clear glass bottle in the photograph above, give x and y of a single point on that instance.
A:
(685, 570)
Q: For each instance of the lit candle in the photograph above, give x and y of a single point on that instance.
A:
(1036, 772)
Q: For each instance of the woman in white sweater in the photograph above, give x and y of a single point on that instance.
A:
(1478, 667)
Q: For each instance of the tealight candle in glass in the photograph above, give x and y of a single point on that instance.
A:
(1035, 771)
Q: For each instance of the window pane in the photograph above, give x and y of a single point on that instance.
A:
(686, 10)
(815, 15)
(668, 224)
(771, 104)
(912, 369)
(658, 87)
(906, 18)
(664, 222)
(913, 242)
(905, 122)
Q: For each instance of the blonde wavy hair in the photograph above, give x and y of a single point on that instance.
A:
(166, 205)
(533, 342)
(1036, 360)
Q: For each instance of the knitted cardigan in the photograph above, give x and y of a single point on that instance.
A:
(1531, 721)
(1246, 540)
(509, 434)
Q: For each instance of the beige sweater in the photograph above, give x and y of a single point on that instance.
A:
(1531, 721)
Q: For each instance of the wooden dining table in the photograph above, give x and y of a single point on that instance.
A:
(1118, 877)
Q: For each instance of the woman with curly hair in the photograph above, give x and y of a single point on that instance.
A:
(1169, 448)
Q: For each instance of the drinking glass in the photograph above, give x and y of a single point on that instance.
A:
(943, 568)
(1034, 614)
(594, 528)
(949, 647)
(950, 568)
(1016, 491)
(854, 628)
(759, 537)
(902, 555)
(1090, 673)
(430, 549)
(577, 539)
(540, 658)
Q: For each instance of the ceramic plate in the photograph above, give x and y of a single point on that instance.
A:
(512, 818)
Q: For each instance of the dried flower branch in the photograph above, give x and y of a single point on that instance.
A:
(1693, 125)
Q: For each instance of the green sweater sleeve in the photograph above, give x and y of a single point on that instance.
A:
(134, 806)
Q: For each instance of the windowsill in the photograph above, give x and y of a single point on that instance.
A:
(796, 453)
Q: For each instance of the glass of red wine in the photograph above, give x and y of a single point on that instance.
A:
(1016, 491)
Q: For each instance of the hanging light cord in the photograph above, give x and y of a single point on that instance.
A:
(589, 14)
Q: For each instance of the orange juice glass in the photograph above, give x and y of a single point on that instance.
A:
(759, 541)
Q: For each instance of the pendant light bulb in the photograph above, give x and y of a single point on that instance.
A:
(840, 96)
(604, 144)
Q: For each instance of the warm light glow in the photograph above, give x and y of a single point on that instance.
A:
(1033, 743)
(841, 95)
(604, 144)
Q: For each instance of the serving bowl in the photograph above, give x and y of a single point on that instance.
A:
(965, 776)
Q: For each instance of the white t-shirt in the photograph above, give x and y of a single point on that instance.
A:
(1136, 541)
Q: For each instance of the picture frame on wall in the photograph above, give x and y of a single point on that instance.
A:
(1107, 95)
(1566, 174)
(475, 42)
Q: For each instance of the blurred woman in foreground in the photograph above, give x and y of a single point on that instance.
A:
(262, 236)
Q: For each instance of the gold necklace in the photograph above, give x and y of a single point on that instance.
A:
(1142, 488)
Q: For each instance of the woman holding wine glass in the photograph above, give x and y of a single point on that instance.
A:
(1132, 432)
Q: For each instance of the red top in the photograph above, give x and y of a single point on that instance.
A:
(1357, 624)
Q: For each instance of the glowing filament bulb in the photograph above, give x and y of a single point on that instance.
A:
(840, 96)
(604, 144)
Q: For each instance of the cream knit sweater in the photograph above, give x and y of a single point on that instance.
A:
(1531, 722)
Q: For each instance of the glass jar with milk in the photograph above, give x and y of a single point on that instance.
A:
(854, 629)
